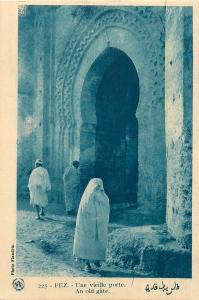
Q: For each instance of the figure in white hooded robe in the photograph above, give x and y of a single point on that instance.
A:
(71, 180)
(39, 185)
(91, 233)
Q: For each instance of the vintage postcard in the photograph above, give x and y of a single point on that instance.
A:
(99, 140)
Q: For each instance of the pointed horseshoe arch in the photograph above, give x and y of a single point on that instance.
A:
(109, 128)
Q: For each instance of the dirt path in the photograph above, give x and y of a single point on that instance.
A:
(44, 248)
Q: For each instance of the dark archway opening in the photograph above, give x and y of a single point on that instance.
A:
(109, 131)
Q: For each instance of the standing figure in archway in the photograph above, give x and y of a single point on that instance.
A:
(39, 185)
(71, 179)
(91, 233)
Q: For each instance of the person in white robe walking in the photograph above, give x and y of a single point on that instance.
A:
(91, 233)
(39, 185)
(71, 181)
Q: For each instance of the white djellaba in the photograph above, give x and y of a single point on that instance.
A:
(39, 184)
(91, 233)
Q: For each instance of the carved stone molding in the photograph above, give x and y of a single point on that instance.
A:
(136, 21)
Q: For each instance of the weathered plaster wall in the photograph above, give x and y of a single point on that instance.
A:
(26, 94)
(178, 80)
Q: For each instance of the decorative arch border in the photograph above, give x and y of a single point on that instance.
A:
(136, 22)
(74, 53)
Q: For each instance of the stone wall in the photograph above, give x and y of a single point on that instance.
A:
(178, 80)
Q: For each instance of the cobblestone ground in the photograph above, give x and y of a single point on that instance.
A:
(44, 247)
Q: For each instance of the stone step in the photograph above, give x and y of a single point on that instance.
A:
(149, 249)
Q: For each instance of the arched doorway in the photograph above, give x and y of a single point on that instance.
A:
(109, 129)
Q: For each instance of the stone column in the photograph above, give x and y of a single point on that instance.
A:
(178, 101)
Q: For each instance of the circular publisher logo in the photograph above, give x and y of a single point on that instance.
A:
(18, 284)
